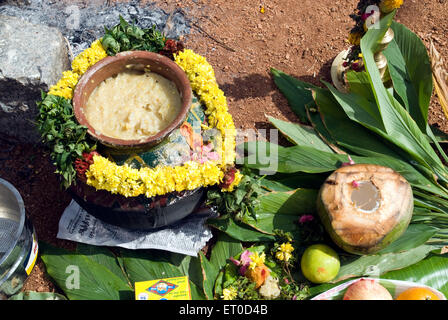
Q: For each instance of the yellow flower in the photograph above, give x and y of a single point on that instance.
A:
(229, 293)
(257, 260)
(80, 64)
(65, 86)
(284, 252)
(387, 6)
(89, 57)
(104, 174)
(355, 38)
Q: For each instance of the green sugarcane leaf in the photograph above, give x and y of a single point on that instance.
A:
(349, 134)
(309, 160)
(300, 134)
(400, 128)
(297, 92)
(273, 158)
(359, 83)
(411, 73)
(414, 236)
(314, 117)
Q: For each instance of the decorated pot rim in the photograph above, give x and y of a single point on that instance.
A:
(112, 65)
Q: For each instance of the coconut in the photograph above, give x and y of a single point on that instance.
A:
(365, 207)
(367, 289)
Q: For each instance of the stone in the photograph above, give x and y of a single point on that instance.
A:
(80, 23)
(32, 58)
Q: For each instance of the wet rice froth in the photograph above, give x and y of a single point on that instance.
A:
(133, 105)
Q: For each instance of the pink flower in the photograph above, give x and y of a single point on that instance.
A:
(245, 261)
(366, 15)
(306, 218)
(205, 154)
(350, 163)
(355, 184)
(235, 262)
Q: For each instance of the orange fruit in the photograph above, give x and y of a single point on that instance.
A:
(417, 294)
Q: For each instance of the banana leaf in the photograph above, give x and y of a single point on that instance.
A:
(82, 277)
(210, 272)
(381, 263)
(224, 248)
(432, 271)
(238, 230)
(32, 295)
(286, 182)
(154, 264)
(300, 201)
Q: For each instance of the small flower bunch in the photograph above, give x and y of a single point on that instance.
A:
(283, 252)
(264, 272)
(364, 18)
(171, 48)
(258, 279)
(83, 164)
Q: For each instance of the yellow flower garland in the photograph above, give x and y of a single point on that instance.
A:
(203, 82)
(65, 85)
(80, 65)
(129, 182)
(89, 57)
(104, 174)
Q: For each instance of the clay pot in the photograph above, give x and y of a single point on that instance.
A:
(137, 60)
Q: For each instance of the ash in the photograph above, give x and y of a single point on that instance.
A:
(81, 23)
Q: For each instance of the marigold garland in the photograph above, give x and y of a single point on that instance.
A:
(203, 82)
(89, 57)
(65, 85)
(104, 174)
(80, 65)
